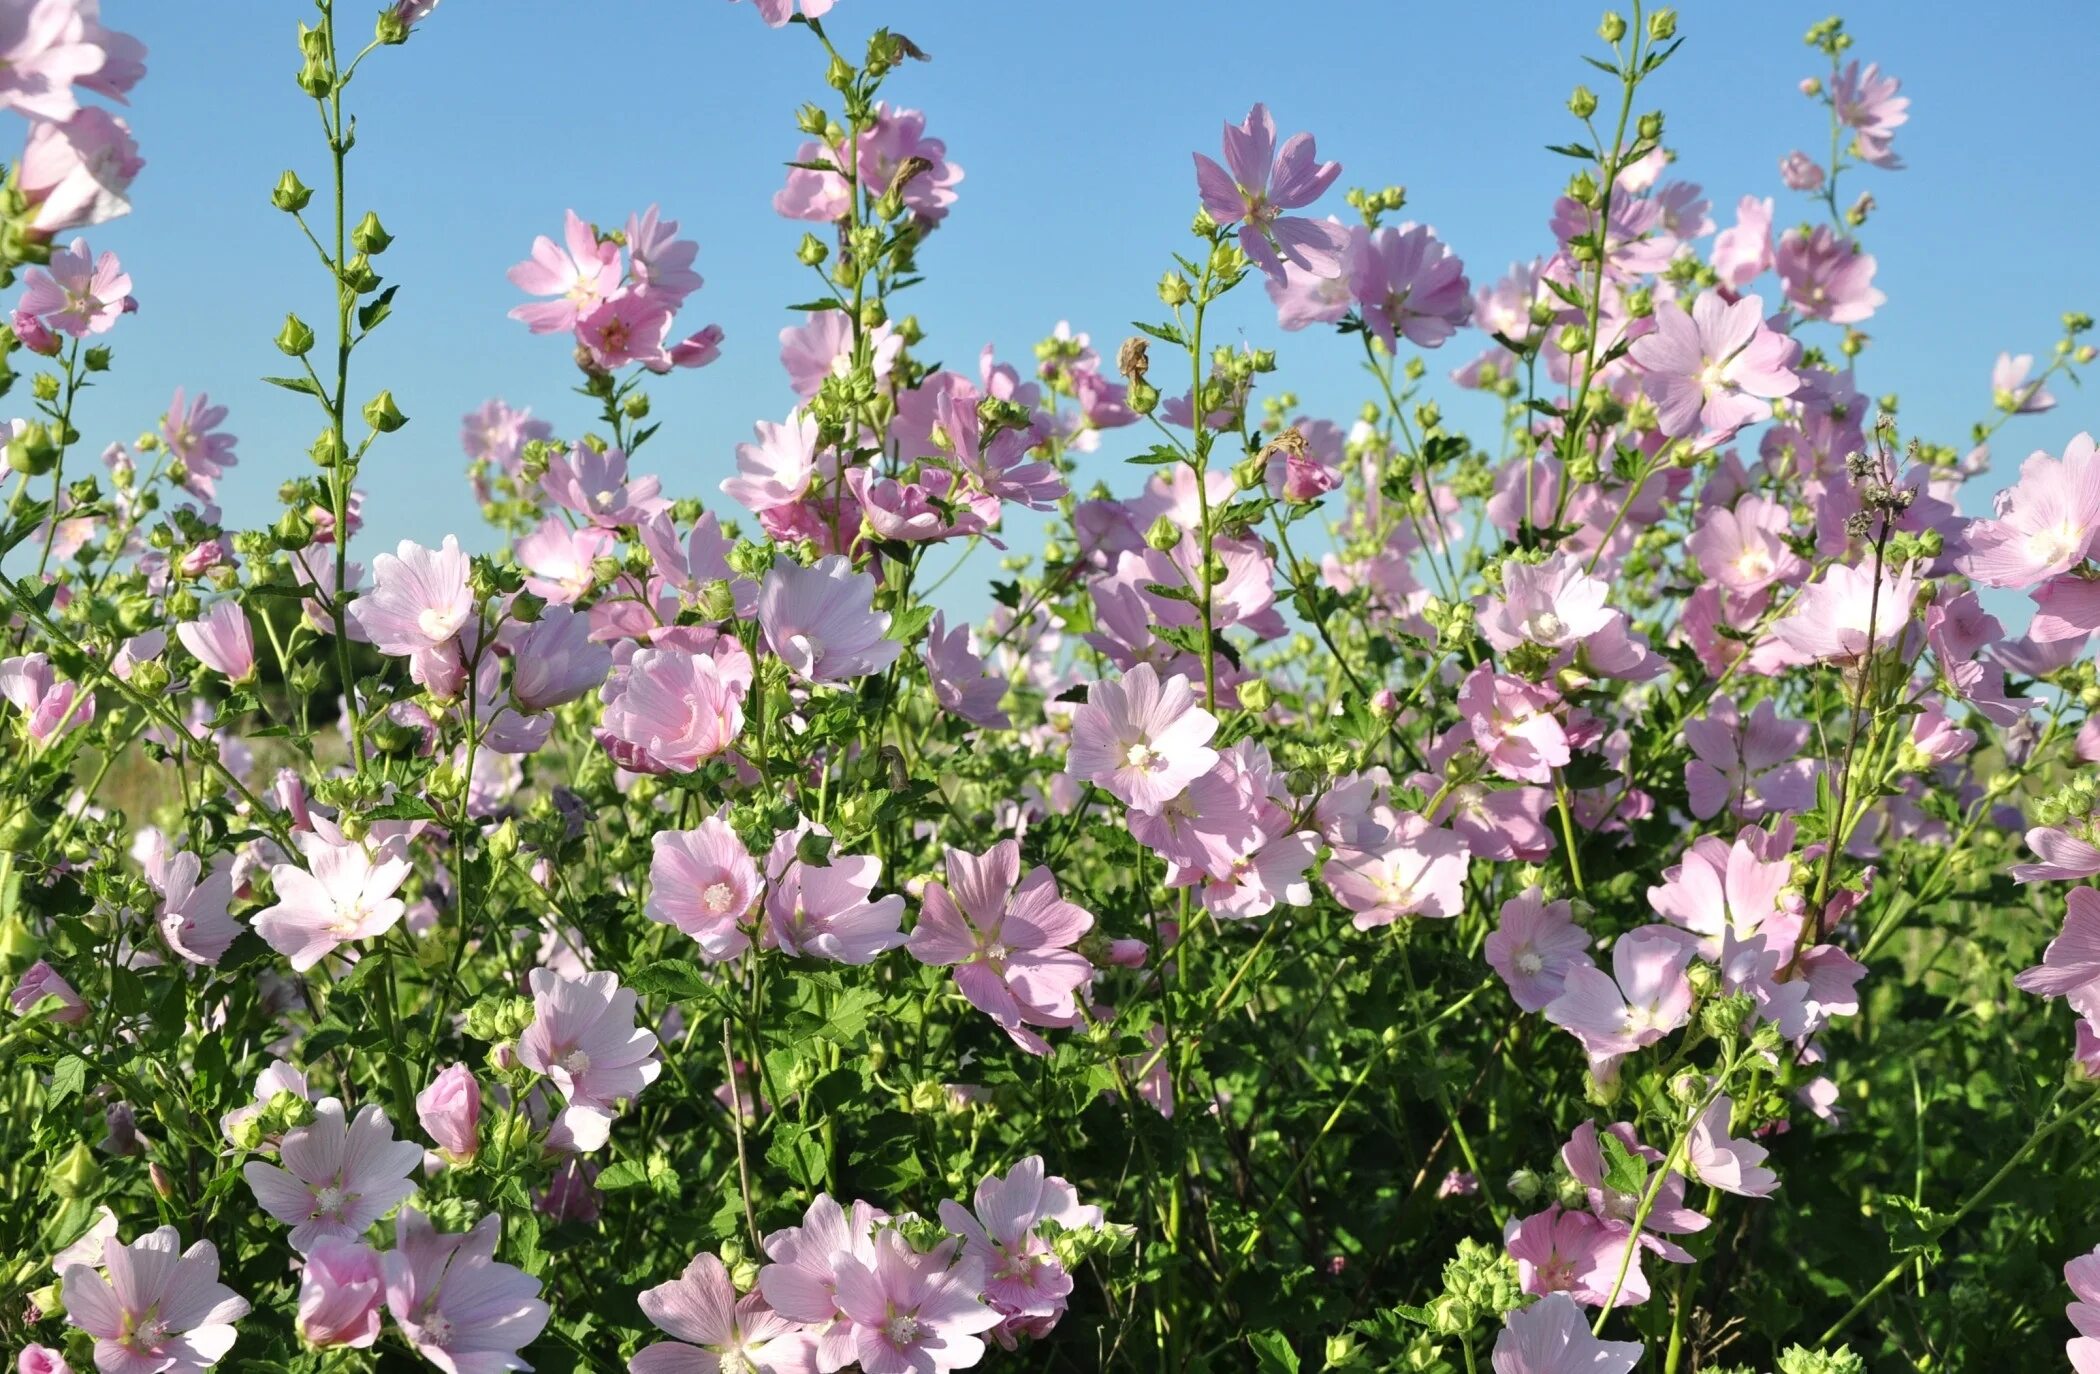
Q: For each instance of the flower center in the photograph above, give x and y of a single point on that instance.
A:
(718, 898)
(902, 1328)
(1713, 377)
(437, 624)
(1754, 563)
(1529, 963)
(328, 1201)
(437, 1330)
(1545, 626)
(575, 1063)
(2056, 544)
(1141, 755)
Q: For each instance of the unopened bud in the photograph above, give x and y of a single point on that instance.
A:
(291, 194)
(383, 415)
(296, 338)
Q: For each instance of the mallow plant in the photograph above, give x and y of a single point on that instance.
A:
(1610, 891)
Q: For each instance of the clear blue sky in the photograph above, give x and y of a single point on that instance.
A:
(1074, 123)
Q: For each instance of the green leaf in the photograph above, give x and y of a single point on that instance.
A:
(405, 807)
(1273, 1353)
(376, 309)
(622, 1174)
(305, 384)
(68, 1079)
(1624, 1171)
(1914, 1229)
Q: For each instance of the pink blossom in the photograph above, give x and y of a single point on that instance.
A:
(1558, 605)
(1800, 172)
(1833, 616)
(704, 882)
(1575, 1253)
(76, 172)
(1718, 1161)
(776, 13)
(338, 1177)
(419, 600)
(778, 469)
(1714, 369)
(2045, 524)
(824, 348)
(1023, 1279)
(1826, 277)
(583, 1036)
(1553, 1337)
(1867, 103)
(45, 49)
(660, 262)
(1140, 739)
(497, 434)
(801, 1282)
(40, 981)
(558, 561)
(190, 429)
(713, 1329)
(893, 137)
(962, 685)
(1408, 283)
(626, 328)
(594, 484)
(1264, 181)
(1420, 870)
(2064, 855)
(702, 557)
(1514, 724)
(820, 620)
(153, 1305)
(579, 276)
(221, 640)
(1743, 252)
(41, 1359)
(554, 660)
(50, 707)
(1750, 767)
(907, 1313)
(461, 1308)
(1643, 999)
(339, 896)
(2070, 967)
(2012, 392)
(193, 913)
(342, 1291)
(670, 710)
(1305, 297)
(1011, 946)
(81, 294)
(449, 1111)
(1723, 891)
(1744, 549)
(825, 910)
(1533, 945)
(2083, 1276)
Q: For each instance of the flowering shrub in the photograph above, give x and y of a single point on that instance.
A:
(1369, 899)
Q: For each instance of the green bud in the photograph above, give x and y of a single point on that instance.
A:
(314, 77)
(359, 276)
(383, 415)
(293, 530)
(1650, 127)
(390, 29)
(1525, 1184)
(717, 600)
(1163, 534)
(370, 236)
(1143, 398)
(1249, 472)
(1662, 25)
(1613, 28)
(33, 451)
(77, 1175)
(96, 359)
(291, 194)
(1174, 289)
(296, 339)
(44, 386)
(1583, 103)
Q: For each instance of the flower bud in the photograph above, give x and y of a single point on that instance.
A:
(1254, 695)
(1662, 25)
(1174, 289)
(1650, 127)
(291, 195)
(383, 415)
(1143, 398)
(33, 451)
(1525, 1184)
(1583, 103)
(296, 339)
(1163, 534)
(163, 1182)
(1613, 28)
(77, 1174)
(370, 236)
(717, 601)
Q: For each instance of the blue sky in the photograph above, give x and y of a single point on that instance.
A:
(1074, 124)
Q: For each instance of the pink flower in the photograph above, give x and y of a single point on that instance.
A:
(824, 348)
(1866, 101)
(801, 1283)
(1744, 549)
(1012, 946)
(820, 620)
(627, 328)
(712, 1329)
(193, 913)
(1533, 945)
(2083, 1276)
(1140, 739)
(1832, 618)
(338, 1177)
(660, 262)
(1800, 172)
(894, 137)
(40, 981)
(908, 1314)
(594, 484)
(1023, 1280)
(48, 705)
(825, 911)
(579, 276)
(341, 895)
(2070, 967)
(687, 567)
(462, 1309)
(1409, 284)
(2012, 392)
(1552, 1336)
(75, 173)
(81, 294)
(1420, 870)
(1643, 999)
(704, 882)
(1715, 369)
(558, 561)
(419, 600)
(41, 1359)
(497, 434)
(1743, 252)
(1733, 1166)
(449, 1111)
(670, 710)
(1263, 183)
(554, 660)
(1749, 767)
(962, 686)
(583, 1036)
(45, 49)
(1725, 892)
(2063, 855)
(1575, 1253)
(342, 1291)
(190, 429)
(154, 1306)
(221, 640)
(777, 470)
(1513, 723)
(1826, 277)
(2046, 523)
(776, 13)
